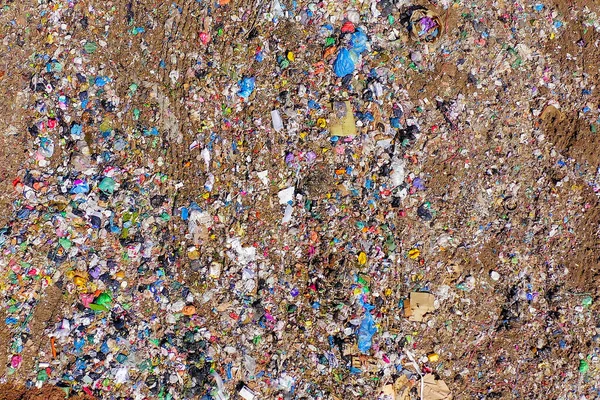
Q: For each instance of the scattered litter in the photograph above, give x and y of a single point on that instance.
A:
(286, 199)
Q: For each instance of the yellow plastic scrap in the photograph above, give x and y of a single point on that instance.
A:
(413, 254)
(362, 258)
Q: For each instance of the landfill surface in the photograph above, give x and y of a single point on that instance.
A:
(282, 199)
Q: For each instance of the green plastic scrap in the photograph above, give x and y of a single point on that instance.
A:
(90, 47)
(583, 366)
(103, 299)
(107, 185)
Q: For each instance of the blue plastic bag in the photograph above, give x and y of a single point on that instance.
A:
(185, 213)
(365, 333)
(246, 87)
(80, 187)
(313, 105)
(344, 64)
(326, 30)
(358, 41)
(76, 130)
(23, 213)
(102, 80)
(151, 132)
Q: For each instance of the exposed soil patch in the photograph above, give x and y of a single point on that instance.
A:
(572, 135)
(47, 392)
(43, 316)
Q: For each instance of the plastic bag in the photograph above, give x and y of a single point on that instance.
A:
(80, 186)
(344, 64)
(365, 333)
(359, 41)
(425, 25)
(277, 121)
(221, 393)
(246, 87)
(107, 185)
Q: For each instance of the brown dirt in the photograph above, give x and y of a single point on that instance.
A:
(43, 317)
(5, 338)
(572, 136)
(47, 392)
(584, 259)
(13, 131)
(11, 147)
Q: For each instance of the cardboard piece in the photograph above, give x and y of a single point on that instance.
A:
(435, 389)
(365, 363)
(387, 393)
(399, 390)
(407, 312)
(402, 387)
(341, 119)
(420, 303)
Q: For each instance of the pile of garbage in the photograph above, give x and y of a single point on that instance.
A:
(288, 200)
